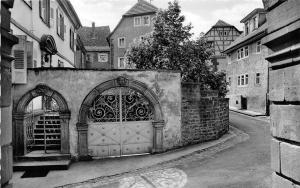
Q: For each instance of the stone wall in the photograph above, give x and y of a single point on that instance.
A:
(205, 116)
(283, 40)
(75, 85)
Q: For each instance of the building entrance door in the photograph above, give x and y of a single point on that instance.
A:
(120, 124)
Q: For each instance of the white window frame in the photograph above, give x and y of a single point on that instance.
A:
(246, 49)
(99, 57)
(241, 53)
(259, 78)
(119, 62)
(119, 44)
(148, 24)
(135, 23)
(247, 28)
(258, 44)
(243, 80)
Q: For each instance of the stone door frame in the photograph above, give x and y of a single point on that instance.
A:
(19, 116)
(82, 125)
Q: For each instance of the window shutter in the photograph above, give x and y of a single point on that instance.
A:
(62, 27)
(57, 22)
(29, 48)
(19, 68)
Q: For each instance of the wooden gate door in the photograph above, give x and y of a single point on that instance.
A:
(120, 124)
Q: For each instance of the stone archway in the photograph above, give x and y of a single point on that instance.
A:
(82, 125)
(19, 117)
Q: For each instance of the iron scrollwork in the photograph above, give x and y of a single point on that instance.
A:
(121, 104)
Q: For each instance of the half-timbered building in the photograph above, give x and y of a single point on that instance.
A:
(220, 37)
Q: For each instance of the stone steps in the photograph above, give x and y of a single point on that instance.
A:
(45, 165)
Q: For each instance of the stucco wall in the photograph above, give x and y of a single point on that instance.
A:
(126, 29)
(255, 93)
(95, 64)
(30, 19)
(74, 85)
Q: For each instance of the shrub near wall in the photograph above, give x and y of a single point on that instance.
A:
(205, 116)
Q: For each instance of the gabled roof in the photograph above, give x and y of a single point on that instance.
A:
(255, 11)
(243, 40)
(141, 7)
(221, 23)
(89, 38)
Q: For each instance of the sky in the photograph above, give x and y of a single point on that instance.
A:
(202, 14)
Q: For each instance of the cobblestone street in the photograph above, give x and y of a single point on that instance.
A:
(230, 165)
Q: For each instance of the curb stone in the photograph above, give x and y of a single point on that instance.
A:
(237, 136)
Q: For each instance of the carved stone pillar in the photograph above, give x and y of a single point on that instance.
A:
(82, 129)
(7, 42)
(158, 136)
(19, 134)
(65, 141)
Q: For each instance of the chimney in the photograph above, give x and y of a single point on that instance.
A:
(93, 30)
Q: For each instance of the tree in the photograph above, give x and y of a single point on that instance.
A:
(170, 47)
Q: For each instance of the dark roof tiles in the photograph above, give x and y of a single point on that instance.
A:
(141, 7)
(221, 23)
(98, 39)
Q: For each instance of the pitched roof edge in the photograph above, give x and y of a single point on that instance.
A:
(252, 13)
(255, 37)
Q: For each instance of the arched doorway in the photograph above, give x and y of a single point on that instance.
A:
(44, 127)
(120, 117)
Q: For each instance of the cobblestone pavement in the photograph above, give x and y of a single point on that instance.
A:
(246, 165)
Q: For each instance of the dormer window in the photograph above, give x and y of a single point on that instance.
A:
(255, 23)
(247, 29)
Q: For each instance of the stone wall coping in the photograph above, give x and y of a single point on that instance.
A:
(99, 70)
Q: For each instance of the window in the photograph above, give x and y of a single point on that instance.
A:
(243, 80)
(255, 23)
(102, 57)
(225, 33)
(229, 81)
(146, 20)
(121, 42)
(258, 47)
(71, 39)
(28, 2)
(243, 52)
(60, 64)
(45, 11)
(89, 57)
(257, 79)
(137, 21)
(246, 51)
(221, 33)
(121, 63)
(60, 23)
(246, 28)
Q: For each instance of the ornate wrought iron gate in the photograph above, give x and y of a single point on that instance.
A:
(120, 124)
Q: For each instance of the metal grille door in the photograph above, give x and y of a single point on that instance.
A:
(120, 124)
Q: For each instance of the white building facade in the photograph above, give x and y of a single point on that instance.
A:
(38, 24)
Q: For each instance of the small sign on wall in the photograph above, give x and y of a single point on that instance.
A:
(102, 57)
